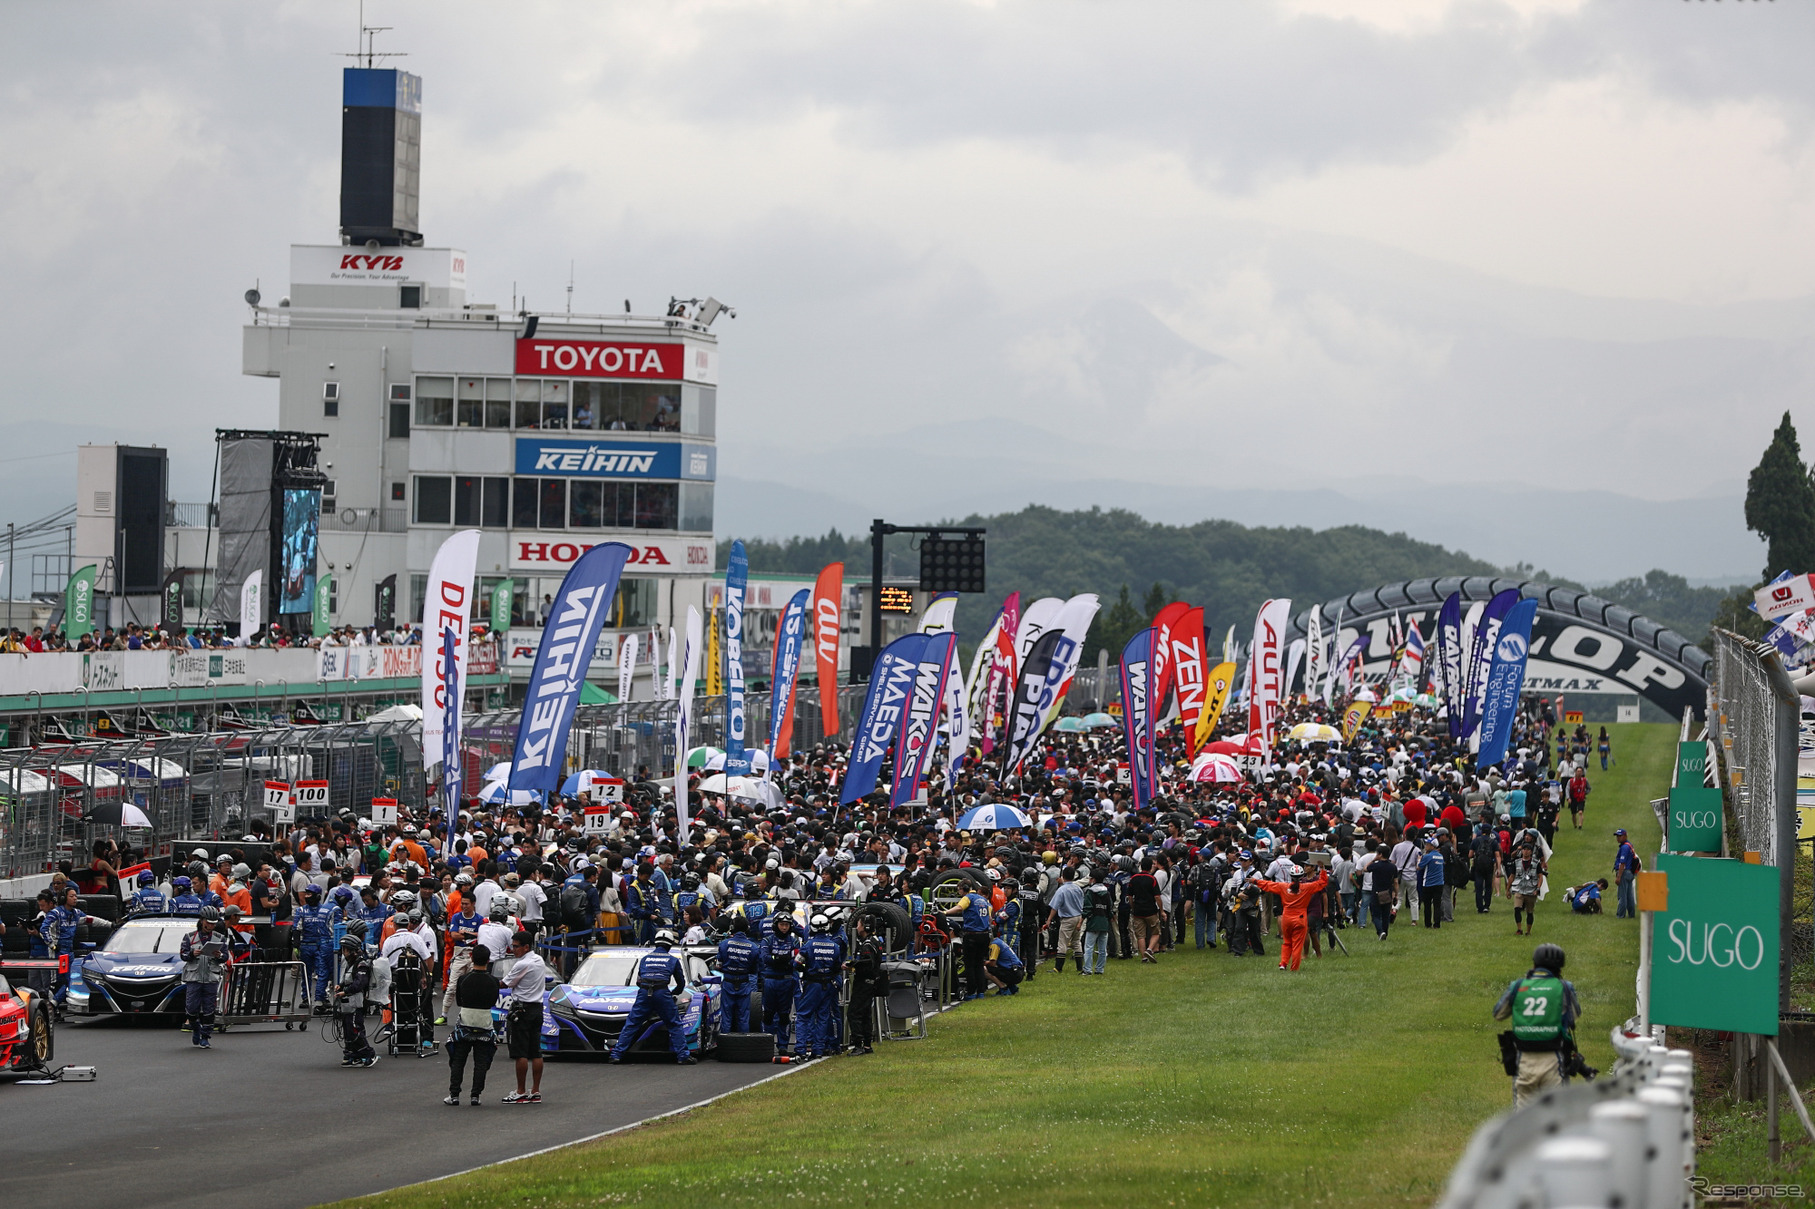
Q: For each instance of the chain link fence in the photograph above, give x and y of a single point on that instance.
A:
(1754, 718)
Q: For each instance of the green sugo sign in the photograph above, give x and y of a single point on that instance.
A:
(1714, 953)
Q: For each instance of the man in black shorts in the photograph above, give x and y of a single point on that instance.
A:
(526, 981)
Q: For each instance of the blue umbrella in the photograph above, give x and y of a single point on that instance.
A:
(496, 794)
(997, 816)
(572, 786)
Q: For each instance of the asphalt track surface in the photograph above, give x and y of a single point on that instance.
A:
(269, 1118)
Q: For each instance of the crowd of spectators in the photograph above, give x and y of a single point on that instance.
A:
(136, 637)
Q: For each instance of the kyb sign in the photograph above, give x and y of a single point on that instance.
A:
(1714, 953)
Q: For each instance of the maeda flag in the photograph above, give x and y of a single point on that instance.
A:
(891, 681)
(919, 724)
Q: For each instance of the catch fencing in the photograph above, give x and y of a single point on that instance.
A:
(1754, 718)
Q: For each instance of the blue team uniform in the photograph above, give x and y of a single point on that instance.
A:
(776, 960)
(313, 927)
(658, 977)
(737, 958)
(824, 958)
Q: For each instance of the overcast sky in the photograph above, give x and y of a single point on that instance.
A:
(1352, 245)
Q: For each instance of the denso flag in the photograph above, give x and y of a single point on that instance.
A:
(447, 605)
(1501, 705)
(1449, 661)
(828, 597)
(790, 635)
(1267, 677)
(683, 715)
(1137, 714)
(891, 680)
(737, 575)
(1036, 687)
(914, 738)
(574, 621)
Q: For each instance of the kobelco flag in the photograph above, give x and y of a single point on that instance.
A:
(891, 681)
(828, 595)
(737, 574)
(1266, 677)
(790, 635)
(574, 621)
(1137, 714)
(447, 605)
(1500, 705)
(914, 737)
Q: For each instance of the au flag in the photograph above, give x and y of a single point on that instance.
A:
(891, 681)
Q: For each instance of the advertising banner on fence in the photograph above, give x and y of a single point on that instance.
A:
(1714, 953)
(828, 593)
(914, 737)
(1694, 823)
(1137, 713)
(891, 681)
(790, 636)
(447, 604)
(553, 693)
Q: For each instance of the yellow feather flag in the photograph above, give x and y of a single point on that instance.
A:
(1216, 695)
(1353, 717)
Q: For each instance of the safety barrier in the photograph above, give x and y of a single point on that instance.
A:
(264, 992)
(1626, 1139)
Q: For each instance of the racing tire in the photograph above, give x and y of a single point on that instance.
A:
(946, 889)
(896, 925)
(43, 1048)
(745, 1047)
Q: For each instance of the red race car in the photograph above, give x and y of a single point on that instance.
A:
(27, 1043)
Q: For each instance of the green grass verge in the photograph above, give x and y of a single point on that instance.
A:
(1204, 1080)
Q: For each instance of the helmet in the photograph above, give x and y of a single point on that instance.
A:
(1549, 957)
(690, 881)
(213, 915)
(403, 900)
(1125, 863)
(1051, 858)
(311, 891)
(241, 872)
(353, 940)
(415, 916)
(818, 923)
(463, 879)
(1030, 876)
(200, 854)
(179, 882)
(500, 908)
(994, 875)
(784, 917)
(146, 878)
(356, 927)
(666, 937)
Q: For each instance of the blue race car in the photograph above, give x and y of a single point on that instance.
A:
(137, 970)
(586, 1013)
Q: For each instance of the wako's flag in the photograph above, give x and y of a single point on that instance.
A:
(891, 681)
(1266, 661)
(1188, 672)
(919, 725)
(1042, 672)
(627, 665)
(447, 605)
(790, 635)
(737, 574)
(1487, 634)
(1449, 661)
(1137, 714)
(574, 621)
(79, 602)
(683, 715)
(1220, 680)
(828, 595)
(1501, 704)
(938, 616)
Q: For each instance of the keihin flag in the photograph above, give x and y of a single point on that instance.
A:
(939, 614)
(1449, 661)
(1220, 680)
(790, 636)
(683, 716)
(828, 597)
(1335, 660)
(1314, 652)
(919, 725)
(737, 575)
(447, 605)
(999, 677)
(627, 665)
(1267, 676)
(1188, 672)
(891, 682)
(1137, 713)
(574, 620)
(1042, 672)
(1500, 705)
(1487, 634)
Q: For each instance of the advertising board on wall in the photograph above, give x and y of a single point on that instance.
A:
(537, 551)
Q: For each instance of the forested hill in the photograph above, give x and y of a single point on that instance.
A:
(1228, 568)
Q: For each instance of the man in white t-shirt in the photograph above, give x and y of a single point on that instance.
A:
(525, 982)
(533, 895)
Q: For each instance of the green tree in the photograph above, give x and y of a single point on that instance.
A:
(1780, 504)
(1112, 628)
(1155, 601)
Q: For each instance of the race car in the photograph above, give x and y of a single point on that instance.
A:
(27, 1038)
(136, 971)
(586, 1013)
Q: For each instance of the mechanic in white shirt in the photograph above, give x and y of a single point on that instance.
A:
(482, 900)
(495, 935)
(530, 890)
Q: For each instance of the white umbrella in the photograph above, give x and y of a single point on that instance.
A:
(497, 793)
(715, 783)
(497, 772)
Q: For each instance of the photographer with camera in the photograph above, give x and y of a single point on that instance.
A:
(1539, 1050)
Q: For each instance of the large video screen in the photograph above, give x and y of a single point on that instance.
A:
(301, 543)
